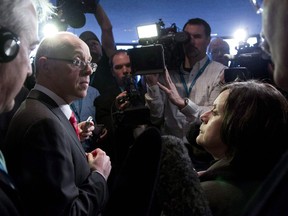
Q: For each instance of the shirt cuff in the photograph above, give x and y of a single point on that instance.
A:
(96, 171)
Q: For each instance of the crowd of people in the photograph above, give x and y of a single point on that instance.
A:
(94, 165)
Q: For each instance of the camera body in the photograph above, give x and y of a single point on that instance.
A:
(252, 62)
(136, 113)
(130, 97)
(72, 12)
(162, 50)
(147, 59)
(133, 93)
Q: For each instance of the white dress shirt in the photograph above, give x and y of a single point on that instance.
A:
(203, 93)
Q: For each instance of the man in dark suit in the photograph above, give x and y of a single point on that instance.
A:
(51, 169)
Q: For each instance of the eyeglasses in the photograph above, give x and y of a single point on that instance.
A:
(258, 5)
(78, 63)
(120, 66)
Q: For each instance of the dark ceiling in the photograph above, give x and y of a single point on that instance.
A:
(224, 16)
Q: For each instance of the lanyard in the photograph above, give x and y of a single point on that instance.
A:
(198, 74)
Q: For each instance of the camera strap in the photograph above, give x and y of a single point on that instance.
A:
(197, 75)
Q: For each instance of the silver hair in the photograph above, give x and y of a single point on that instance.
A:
(13, 18)
(44, 9)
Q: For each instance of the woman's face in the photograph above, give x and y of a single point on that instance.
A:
(209, 135)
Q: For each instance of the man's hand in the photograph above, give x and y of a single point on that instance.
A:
(170, 89)
(100, 162)
(151, 79)
(85, 129)
(121, 101)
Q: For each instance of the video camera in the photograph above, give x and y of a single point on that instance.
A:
(250, 62)
(133, 93)
(137, 113)
(72, 12)
(163, 47)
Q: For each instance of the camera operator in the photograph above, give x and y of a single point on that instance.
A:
(177, 98)
(113, 106)
(101, 50)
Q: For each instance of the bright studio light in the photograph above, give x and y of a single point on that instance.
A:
(147, 31)
(53, 25)
(240, 35)
(50, 29)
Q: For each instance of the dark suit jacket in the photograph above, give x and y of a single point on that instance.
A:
(227, 190)
(48, 163)
(10, 204)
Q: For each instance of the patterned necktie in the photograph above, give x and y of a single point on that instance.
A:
(74, 123)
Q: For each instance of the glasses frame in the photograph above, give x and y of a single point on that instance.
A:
(78, 63)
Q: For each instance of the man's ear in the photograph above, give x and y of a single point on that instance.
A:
(42, 63)
(44, 66)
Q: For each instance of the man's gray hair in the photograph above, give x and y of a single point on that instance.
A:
(13, 18)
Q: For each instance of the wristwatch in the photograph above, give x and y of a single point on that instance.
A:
(186, 101)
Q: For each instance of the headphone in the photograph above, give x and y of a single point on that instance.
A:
(9, 45)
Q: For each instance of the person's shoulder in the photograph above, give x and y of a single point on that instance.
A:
(219, 185)
(224, 198)
(108, 95)
(217, 65)
(93, 91)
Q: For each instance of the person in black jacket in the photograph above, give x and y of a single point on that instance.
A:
(121, 110)
(101, 50)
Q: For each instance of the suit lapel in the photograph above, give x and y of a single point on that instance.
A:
(6, 180)
(55, 109)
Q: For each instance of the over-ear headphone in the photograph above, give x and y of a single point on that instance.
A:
(9, 45)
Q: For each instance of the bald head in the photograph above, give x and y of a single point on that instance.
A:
(62, 65)
(217, 49)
